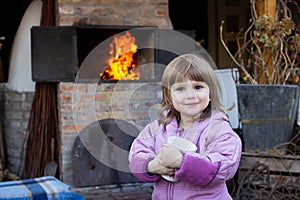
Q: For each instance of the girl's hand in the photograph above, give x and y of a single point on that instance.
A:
(155, 167)
(170, 156)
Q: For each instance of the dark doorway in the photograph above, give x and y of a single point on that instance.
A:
(190, 15)
(11, 13)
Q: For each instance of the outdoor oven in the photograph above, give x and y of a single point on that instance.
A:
(99, 113)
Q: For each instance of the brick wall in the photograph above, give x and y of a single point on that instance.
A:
(14, 115)
(114, 12)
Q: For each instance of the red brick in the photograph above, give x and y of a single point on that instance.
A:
(68, 128)
(161, 13)
(65, 98)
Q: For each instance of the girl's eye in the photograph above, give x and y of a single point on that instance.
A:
(179, 89)
(198, 87)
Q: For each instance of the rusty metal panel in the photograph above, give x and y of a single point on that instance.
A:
(54, 54)
(95, 160)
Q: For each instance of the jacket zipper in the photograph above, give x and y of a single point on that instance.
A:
(181, 133)
(170, 191)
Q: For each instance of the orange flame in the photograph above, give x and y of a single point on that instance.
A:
(122, 63)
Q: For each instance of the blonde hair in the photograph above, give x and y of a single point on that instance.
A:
(193, 67)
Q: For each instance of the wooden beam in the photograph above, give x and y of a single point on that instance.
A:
(266, 7)
(284, 163)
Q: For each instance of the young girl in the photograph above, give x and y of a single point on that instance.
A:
(191, 109)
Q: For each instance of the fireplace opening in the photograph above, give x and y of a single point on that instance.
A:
(122, 54)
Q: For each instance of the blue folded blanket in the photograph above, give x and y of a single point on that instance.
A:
(47, 187)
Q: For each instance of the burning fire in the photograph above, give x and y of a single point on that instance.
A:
(122, 63)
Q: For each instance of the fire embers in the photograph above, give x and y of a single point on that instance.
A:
(123, 59)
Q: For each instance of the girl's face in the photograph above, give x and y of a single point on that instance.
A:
(190, 98)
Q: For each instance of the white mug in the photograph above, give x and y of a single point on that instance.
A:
(183, 145)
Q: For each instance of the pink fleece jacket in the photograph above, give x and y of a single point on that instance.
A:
(203, 174)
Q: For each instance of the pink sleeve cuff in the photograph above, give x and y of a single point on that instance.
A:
(197, 171)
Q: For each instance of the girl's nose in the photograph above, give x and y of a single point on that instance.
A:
(191, 93)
